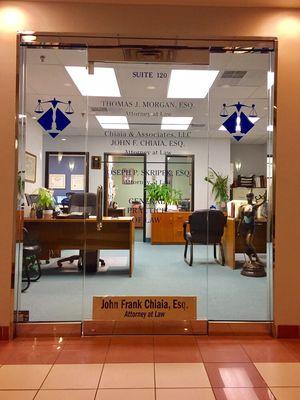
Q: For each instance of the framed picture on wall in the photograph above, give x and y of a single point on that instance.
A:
(30, 167)
(128, 177)
(57, 181)
(77, 182)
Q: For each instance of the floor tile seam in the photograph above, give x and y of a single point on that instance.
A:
(108, 349)
(50, 369)
(281, 386)
(207, 374)
(99, 379)
(290, 353)
(125, 387)
(154, 373)
(56, 390)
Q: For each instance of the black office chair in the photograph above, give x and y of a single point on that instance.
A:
(84, 203)
(31, 271)
(206, 227)
(66, 202)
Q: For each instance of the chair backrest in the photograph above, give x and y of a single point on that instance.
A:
(207, 226)
(83, 202)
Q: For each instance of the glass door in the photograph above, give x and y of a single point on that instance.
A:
(53, 177)
(148, 126)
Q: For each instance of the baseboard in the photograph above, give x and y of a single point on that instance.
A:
(4, 332)
(94, 328)
(239, 328)
(47, 329)
(288, 331)
(198, 327)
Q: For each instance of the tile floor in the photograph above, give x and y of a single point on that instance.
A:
(150, 368)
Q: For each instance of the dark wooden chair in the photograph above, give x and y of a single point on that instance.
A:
(207, 228)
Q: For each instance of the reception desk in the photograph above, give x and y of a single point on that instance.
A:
(81, 234)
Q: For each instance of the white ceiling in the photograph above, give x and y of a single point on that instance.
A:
(48, 79)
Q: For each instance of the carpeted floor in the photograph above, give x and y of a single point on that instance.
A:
(222, 293)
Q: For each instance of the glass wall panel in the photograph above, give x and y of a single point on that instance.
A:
(241, 104)
(144, 179)
(52, 115)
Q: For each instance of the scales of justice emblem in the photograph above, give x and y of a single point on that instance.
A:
(54, 120)
(238, 123)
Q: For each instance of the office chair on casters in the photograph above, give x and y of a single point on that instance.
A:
(84, 203)
(206, 227)
(31, 271)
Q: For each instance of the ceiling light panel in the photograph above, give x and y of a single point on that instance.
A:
(103, 82)
(190, 84)
(175, 123)
(113, 121)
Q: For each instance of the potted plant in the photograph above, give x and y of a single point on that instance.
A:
(159, 195)
(45, 204)
(173, 200)
(219, 187)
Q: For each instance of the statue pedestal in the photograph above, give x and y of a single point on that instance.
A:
(254, 269)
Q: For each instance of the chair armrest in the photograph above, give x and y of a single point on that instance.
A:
(184, 229)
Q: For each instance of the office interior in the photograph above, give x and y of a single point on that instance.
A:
(130, 132)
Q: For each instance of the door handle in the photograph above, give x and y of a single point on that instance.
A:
(99, 208)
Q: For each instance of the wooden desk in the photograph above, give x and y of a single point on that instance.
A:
(232, 244)
(81, 234)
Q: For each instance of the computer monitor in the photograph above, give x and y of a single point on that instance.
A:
(185, 204)
(59, 199)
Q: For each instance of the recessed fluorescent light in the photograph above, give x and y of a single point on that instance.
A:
(190, 84)
(102, 83)
(63, 139)
(175, 123)
(113, 121)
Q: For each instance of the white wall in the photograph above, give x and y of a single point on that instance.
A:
(253, 158)
(34, 145)
(213, 152)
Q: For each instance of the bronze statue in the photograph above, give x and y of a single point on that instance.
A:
(246, 230)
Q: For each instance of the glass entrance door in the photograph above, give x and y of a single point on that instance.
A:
(134, 182)
(149, 128)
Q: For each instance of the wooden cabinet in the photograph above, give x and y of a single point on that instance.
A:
(167, 227)
(138, 216)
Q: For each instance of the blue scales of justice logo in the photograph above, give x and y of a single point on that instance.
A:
(54, 120)
(238, 123)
